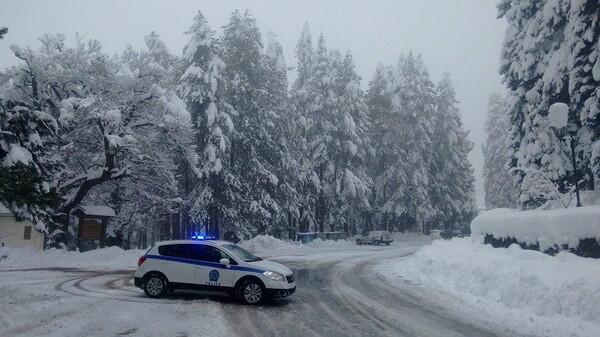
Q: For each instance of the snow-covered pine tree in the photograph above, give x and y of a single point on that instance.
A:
(413, 104)
(305, 55)
(387, 151)
(300, 107)
(536, 68)
(499, 192)
(582, 41)
(321, 128)
(451, 178)
(3, 31)
(213, 200)
(256, 159)
(25, 129)
(352, 182)
(286, 134)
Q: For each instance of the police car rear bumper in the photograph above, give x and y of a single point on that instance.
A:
(280, 293)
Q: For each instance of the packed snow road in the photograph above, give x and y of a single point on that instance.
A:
(339, 294)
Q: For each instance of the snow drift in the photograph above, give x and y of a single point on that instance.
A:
(517, 281)
(548, 228)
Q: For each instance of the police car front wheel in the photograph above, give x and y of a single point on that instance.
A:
(252, 292)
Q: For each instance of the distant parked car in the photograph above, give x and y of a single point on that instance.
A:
(375, 238)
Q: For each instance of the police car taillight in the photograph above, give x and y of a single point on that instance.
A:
(141, 260)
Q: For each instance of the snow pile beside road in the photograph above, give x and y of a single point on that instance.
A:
(564, 285)
(267, 242)
(100, 259)
(546, 227)
(263, 243)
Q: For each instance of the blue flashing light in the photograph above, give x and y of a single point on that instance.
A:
(202, 237)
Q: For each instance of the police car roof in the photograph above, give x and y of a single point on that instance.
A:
(213, 242)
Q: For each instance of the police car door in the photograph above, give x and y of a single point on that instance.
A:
(209, 271)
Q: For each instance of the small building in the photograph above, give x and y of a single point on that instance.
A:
(93, 220)
(18, 234)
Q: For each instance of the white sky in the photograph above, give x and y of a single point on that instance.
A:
(460, 36)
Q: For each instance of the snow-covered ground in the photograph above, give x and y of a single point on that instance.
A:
(528, 291)
(60, 293)
(110, 258)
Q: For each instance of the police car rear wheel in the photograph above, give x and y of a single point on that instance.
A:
(252, 292)
(155, 286)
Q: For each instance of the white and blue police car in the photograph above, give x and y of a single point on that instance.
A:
(212, 265)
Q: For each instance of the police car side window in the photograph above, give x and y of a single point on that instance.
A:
(208, 254)
(219, 254)
(180, 251)
(199, 252)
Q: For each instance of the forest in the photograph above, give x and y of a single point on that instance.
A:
(550, 58)
(216, 139)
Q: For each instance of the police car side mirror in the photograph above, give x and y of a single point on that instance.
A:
(225, 261)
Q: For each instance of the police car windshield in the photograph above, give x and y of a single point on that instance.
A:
(240, 252)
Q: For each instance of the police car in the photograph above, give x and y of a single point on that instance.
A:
(214, 266)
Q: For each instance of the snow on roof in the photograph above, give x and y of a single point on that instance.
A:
(4, 210)
(97, 211)
(546, 227)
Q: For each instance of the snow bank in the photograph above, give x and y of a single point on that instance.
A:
(546, 227)
(530, 281)
(100, 259)
(269, 243)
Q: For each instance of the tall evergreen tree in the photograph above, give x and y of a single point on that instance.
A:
(539, 67)
(498, 192)
(451, 178)
(25, 129)
(256, 158)
(387, 151)
(301, 105)
(285, 135)
(352, 186)
(322, 123)
(414, 104)
(582, 41)
(214, 199)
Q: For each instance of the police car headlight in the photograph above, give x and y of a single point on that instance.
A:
(274, 276)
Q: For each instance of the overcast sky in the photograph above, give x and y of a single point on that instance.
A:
(460, 36)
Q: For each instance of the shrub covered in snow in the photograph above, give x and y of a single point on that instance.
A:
(575, 229)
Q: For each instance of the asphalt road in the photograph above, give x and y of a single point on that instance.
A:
(344, 297)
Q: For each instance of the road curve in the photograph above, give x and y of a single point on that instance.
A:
(345, 297)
